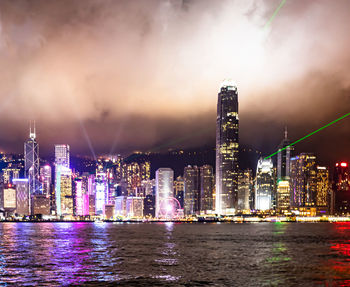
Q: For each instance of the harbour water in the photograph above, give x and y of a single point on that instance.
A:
(175, 254)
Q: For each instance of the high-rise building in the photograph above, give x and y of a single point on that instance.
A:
(179, 190)
(62, 155)
(264, 185)
(22, 196)
(81, 197)
(283, 196)
(191, 190)
(164, 192)
(9, 173)
(63, 191)
(101, 193)
(303, 180)
(341, 188)
(149, 205)
(227, 149)
(31, 163)
(322, 188)
(45, 178)
(245, 190)
(8, 198)
(283, 158)
(206, 182)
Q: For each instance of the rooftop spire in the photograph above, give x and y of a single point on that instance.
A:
(32, 134)
(285, 132)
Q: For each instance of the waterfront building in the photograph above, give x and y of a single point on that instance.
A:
(109, 211)
(149, 206)
(41, 204)
(31, 163)
(245, 190)
(45, 179)
(227, 149)
(179, 190)
(303, 180)
(191, 190)
(134, 206)
(283, 196)
(81, 198)
(63, 191)
(8, 198)
(22, 196)
(206, 183)
(322, 186)
(101, 193)
(164, 191)
(120, 206)
(341, 188)
(264, 185)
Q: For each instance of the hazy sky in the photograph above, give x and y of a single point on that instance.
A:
(128, 75)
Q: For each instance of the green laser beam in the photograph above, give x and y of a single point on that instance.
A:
(275, 13)
(310, 134)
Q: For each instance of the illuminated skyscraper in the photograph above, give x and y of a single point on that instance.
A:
(303, 180)
(283, 158)
(341, 188)
(101, 193)
(227, 149)
(31, 163)
(283, 195)
(63, 187)
(62, 155)
(264, 185)
(322, 189)
(245, 190)
(164, 190)
(179, 190)
(206, 182)
(191, 190)
(45, 178)
(22, 196)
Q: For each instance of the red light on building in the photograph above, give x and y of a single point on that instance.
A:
(343, 164)
(336, 164)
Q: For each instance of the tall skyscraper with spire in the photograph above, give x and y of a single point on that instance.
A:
(31, 162)
(283, 158)
(227, 149)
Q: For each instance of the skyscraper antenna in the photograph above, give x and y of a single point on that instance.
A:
(285, 132)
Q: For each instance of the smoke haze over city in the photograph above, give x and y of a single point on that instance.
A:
(115, 76)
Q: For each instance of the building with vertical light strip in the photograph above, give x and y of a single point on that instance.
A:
(63, 187)
(227, 149)
(264, 185)
(164, 189)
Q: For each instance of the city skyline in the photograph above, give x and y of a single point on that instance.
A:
(156, 91)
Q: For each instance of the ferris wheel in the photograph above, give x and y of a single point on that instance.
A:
(169, 208)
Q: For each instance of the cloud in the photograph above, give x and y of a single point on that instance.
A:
(136, 74)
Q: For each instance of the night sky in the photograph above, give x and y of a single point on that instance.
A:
(116, 76)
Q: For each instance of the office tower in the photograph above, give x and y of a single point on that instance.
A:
(8, 198)
(206, 182)
(81, 197)
(62, 155)
(120, 206)
(45, 178)
(245, 189)
(191, 190)
(22, 196)
(63, 187)
(179, 190)
(341, 188)
(134, 207)
(303, 180)
(41, 204)
(9, 173)
(101, 193)
(264, 185)
(164, 192)
(109, 211)
(149, 206)
(283, 196)
(31, 163)
(227, 149)
(283, 158)
(322, 186)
